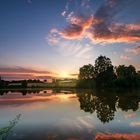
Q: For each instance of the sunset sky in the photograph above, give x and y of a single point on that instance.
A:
(56, 37)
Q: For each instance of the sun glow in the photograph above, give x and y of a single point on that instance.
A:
(64, 74)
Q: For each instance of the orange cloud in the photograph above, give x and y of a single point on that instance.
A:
(101, 136)
(114, 32)
(77, 27)
(99, 26)
(97, 31)
(23, 71)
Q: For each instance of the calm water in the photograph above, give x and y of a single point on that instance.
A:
(69, 115)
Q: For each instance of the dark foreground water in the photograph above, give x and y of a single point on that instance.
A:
(69, 115)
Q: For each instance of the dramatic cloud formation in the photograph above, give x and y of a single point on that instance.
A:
(77, 27)
(135, 50)
(113, 32)
(100, 26)
(104, 28)
(102, 136)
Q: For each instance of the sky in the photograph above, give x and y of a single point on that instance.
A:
(40, 38)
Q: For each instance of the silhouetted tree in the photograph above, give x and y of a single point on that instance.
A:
(138, 79)
(3, 84)
(126, 76)
(86, 76)
(24, 83)
(87, 72)
(104, 72)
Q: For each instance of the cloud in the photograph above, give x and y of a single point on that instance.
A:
(86, 49)
(17, 72)
(99, 26)
(105, 29)
(130, 115)
(114, 53)
(77, 26)
(113, 32)
(76, 48)
(124, 57)
(135, 50)
(29, 1)
(22, 70)
(112, 2)
(101, 136)
(135, 124)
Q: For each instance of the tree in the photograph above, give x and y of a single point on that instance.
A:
(86, 76)
(126, 72)
(104, 74)
(138, 79)
(102, 63)
(104, 71)
(126, 76)
(87, 72)
(24, 83)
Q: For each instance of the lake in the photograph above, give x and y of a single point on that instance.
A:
(69, 115)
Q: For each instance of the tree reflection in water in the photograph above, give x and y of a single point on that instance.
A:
(106, 105)
(128, 103)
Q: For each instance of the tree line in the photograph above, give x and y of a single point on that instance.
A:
(22, 83)
(104, 74)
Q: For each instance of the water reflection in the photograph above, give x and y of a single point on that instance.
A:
(37, 91)
(72, 115)
(106, 106)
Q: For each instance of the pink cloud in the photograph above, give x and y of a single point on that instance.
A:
(130, 115)
(135, 50)
(124, 57)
